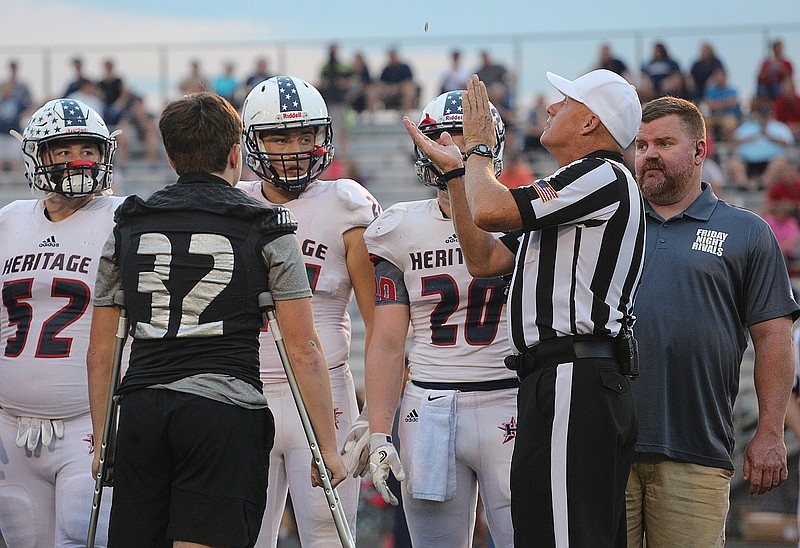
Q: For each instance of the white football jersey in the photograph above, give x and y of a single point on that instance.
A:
(458, 322)
(324, 212)
(48, 275)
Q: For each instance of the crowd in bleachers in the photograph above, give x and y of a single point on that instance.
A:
(753, 141)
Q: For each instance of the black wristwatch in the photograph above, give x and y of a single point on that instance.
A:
(481, 150)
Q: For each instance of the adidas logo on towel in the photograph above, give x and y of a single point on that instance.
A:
(413, 416)
(49, 242)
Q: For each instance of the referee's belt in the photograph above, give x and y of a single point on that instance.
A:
(566, 349)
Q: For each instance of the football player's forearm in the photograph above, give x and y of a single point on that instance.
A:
(99, 379)
(311, 372)
(383, 380)
(99, 363)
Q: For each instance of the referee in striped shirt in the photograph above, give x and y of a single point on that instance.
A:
(574, 244)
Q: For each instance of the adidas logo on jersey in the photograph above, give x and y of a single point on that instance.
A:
(452, 239)
(49, 242)
(413, 416)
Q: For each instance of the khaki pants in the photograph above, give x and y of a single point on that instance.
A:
(671, 503)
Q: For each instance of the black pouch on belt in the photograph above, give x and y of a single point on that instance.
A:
(628, 353)
(524, 364)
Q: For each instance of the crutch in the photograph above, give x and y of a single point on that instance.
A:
(266, 303)
(105, 469)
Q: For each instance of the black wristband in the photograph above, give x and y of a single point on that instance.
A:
(444, 177)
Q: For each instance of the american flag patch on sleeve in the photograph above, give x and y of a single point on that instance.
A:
(544, 190)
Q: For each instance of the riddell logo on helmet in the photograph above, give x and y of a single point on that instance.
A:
(291, 115)
(453, 117)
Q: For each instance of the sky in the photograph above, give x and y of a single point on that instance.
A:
(153, 40)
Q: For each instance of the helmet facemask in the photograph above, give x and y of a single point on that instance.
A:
(304, 167)
(73, 179)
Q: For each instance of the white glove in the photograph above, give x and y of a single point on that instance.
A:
(355, 452)
(31, 430)
(382, 458)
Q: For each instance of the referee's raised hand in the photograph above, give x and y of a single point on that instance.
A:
(446, 157)
(479, 126)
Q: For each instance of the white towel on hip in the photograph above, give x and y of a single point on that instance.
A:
(434, 474)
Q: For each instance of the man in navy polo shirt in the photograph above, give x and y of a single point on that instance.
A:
(712, 273)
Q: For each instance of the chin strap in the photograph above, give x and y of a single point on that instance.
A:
(444, 177)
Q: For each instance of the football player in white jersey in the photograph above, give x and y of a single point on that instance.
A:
(457, 419)
(49, 257)
(288, 139)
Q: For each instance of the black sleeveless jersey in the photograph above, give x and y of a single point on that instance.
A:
(192, 269)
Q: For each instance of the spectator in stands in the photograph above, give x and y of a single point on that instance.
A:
(645, 89)
(396, 87)
(516, 172)
(491, 73)
(334, 78)
(663, 71)
(359, 83)
(608, 61)
(786, 186)
(779, 216)
(713, 175)
(456, 76)
(702, 69)
(260, 74)
(762, 146)
(78, 80)
(12, 106)
(774, 69)
(143, 122)
(88, 92)
(786, 108)
(15, 98)
(225, 84)
(195, 81)
(19, 89)
(111, 87)
(721, 106)
(534, 126)
(499, 82)
(138, 126)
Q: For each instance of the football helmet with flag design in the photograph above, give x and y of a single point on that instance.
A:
(445, 114)
(278, 104)
(58, 122)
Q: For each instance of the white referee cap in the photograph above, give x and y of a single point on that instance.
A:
(610, 97)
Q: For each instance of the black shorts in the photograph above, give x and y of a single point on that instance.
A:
(188, 468)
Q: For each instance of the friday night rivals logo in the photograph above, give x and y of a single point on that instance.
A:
(710, 241)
